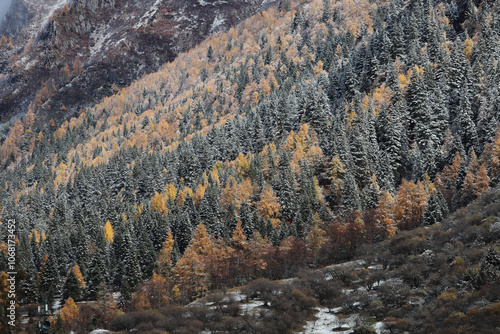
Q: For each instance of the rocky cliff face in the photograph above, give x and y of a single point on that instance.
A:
(61, 57)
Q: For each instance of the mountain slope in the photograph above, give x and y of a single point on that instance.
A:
(439, 279)
(60, 57)
(294, 140)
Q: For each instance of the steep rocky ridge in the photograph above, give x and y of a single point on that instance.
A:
(115, 41)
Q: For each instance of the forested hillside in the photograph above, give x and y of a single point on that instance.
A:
(294, 139)
(57, 57)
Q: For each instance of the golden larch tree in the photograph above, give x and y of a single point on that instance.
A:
(238, 239)
(410, 204)
(157, 291)
(109, 233)
(164, 262)
(70, 314)
(190, 271)
(385, 225)
(316, 237)
(268, 206)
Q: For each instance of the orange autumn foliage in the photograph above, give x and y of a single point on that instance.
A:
(109, 233)
(164, 261)
(268, 206)
(410, 204)
(70, 314)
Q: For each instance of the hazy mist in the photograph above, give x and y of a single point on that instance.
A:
(4, 6)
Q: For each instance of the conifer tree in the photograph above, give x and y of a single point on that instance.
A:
(246, 219)
(183, 232)
(371, 194)
(398, 43)
(49, 276)
(359, 150)
(433, 212)
(385, 224)
(463, 125)
(350, 82)
(165, 263)
(420, 115)
(238, 239)
(316, 109)
(70, 314)
(131, 269)
(316, 237)
(80, 245)
(298, 20)
(96, 275)
(71, 287)
(286, 188)
(350, 193)
(410, 204)
(189, 272)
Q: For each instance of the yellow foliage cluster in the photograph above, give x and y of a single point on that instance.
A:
(109, 233)
(381, 96)
(183, 194)
(70, 314)
(356, 15)
(304, 146)
(79, 276)
(236, 192)
(165, 257)
(159, 200)
(159, 203)
(410, 203)
(268, 206)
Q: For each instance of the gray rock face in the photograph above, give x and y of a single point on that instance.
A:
(93, 5)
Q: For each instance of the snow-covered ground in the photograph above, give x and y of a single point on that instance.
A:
(328, 269)
(251, 307)
(57, 305)
(100, 331)
(43, 12)
(236, 296)
(218, 21)
(327, 322)
(148, 15)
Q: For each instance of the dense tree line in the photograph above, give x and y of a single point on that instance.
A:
(339, 126)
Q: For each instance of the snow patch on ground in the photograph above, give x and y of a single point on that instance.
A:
(100, 36)
(27, 63)
(376, 267)
(104, 37)
(57, 305)
(251, 307)
(100, 331)
(327, 269)
(182, 18)
(148, 15)
(236, 296)
(43, 11)
(325, 322)
(218, 21)
(379, 327)
(266, 3)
